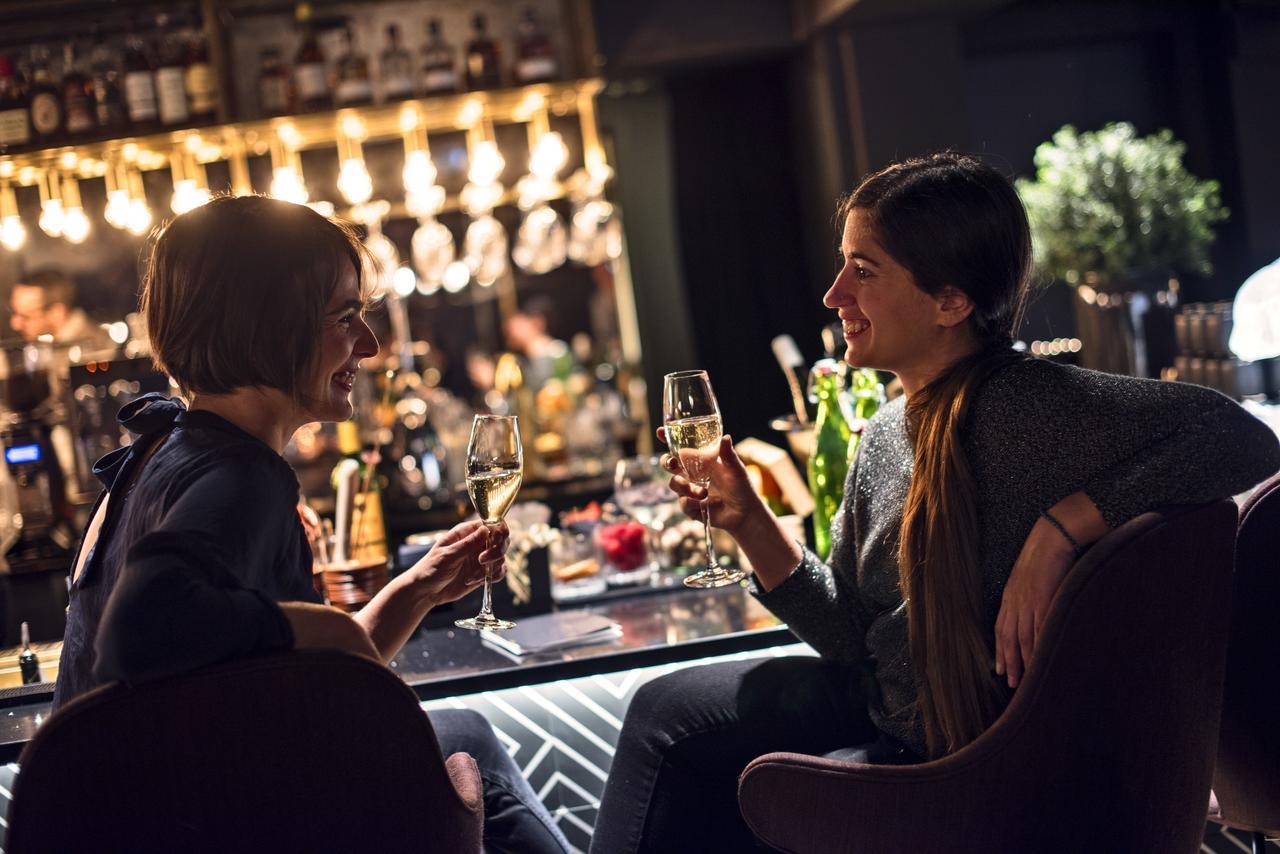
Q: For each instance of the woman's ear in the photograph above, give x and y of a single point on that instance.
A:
(954, 306)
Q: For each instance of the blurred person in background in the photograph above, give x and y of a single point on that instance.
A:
(44, 304)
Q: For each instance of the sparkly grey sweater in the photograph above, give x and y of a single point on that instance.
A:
(1037, 432)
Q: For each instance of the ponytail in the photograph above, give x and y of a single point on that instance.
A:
(940, 577)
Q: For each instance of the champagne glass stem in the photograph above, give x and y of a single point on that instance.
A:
(486, 604)
(706, 532)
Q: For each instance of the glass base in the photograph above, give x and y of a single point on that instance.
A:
(717, 577)
(481, 621)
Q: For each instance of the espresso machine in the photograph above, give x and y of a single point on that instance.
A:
(37, 522)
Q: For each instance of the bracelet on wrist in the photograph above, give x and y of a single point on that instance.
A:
(1076, 548)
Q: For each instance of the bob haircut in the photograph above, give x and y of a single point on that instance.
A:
(235, 293)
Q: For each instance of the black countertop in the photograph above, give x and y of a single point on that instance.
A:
(659, 627)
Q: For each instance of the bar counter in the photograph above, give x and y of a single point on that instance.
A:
(659, 626)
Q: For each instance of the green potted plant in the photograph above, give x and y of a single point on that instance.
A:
(1119, 217)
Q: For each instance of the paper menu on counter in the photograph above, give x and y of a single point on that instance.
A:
(551, 632)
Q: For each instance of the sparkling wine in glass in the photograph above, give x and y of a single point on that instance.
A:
(692, 420)
(495, 467)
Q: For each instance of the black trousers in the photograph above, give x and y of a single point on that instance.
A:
(687, 736)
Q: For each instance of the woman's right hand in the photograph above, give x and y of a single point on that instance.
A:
(731, 500)
(321, 627)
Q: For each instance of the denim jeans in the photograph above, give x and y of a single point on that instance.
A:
(687, 736)
(515, 821)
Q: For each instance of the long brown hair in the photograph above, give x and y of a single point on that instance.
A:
(951, 221)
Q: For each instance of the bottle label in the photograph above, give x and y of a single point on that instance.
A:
(441, 80)
(46, 113)
(172, 91)
(398, 86)
(311, 81)
(273, 93)
(79, 112)
(368, 534)
(14, 129)
(202, 91)
(536, 68)
(353, 91)
(140, 95)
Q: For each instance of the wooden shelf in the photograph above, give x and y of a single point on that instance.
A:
(214, 142)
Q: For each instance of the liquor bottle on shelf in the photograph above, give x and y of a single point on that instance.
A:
(482, 66)
(395, 67)
(354, 87)
(273, 83)
(77, 93)
(108, 99)
(171, 73)
(439, 74)
(139, 85)
(15, 121)
(47, 115)
(359, 526)
(535, 54)
(28, 663)
(200, 82)
(310, 77)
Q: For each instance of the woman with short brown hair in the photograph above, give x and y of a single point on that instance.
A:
(195, 553)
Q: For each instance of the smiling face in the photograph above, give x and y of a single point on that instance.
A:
(887, 319)
(345, 339)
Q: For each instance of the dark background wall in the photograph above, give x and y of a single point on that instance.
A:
(767, 125)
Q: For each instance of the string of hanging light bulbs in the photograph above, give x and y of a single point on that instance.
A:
(540, 244)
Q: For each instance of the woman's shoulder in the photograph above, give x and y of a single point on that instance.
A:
(1038, 385)
(195, 454)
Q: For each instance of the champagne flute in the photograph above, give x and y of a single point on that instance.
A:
(495, 467)
(692, 420)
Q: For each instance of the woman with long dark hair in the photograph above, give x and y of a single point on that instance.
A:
(195, 554)
(968, 501)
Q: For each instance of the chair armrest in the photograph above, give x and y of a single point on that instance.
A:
(789, 800)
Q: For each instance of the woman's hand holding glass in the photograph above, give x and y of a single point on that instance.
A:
(730, 499)
(458, 561)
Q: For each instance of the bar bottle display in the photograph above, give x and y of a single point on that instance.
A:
(171, 84)
(361, 531)
(354, 88)
(139, 85)
(439, 74)
(108, 99)
(15, 127)
(310, 77)
(273, 83)
(77, 93)
(28, 663)
(395, 68)
(482, 66)
(199, 80)
(46, 101)
(535, 54)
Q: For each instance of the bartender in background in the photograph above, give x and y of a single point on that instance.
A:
(43, 304)
(544, 357)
